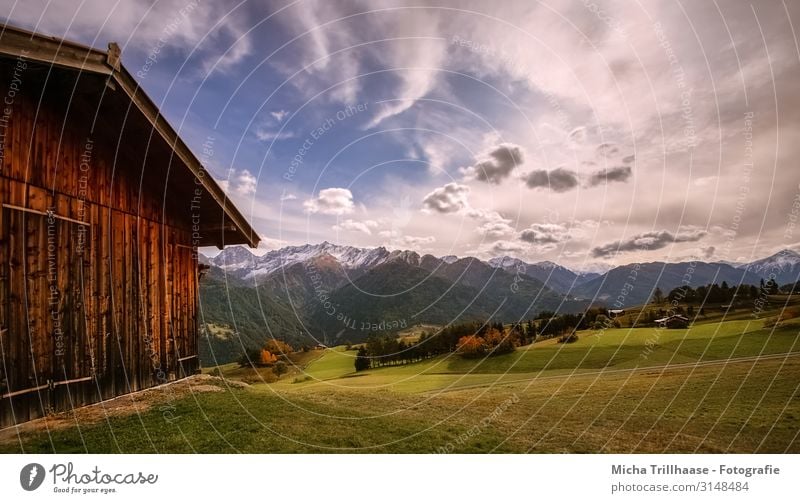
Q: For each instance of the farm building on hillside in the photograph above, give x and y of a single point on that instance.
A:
(103, 208)
(674, 321)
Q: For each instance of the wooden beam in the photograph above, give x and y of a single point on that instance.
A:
(35, 47)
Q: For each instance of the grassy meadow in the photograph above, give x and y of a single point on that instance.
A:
(718, 386)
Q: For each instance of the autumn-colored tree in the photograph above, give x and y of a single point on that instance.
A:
(493, 337)
(267, 358)
(472, 346)
(500, 342)
(278, 347)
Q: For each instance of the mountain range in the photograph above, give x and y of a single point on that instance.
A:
(332, 293)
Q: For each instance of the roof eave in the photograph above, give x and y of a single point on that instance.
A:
(33, 46)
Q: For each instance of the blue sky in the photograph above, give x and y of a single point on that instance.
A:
(588, 133)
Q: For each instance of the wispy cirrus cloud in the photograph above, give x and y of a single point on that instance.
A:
(365, 226)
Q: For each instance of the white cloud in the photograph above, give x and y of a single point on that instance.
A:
(267, 244)
(450, 198)
(365, 226)
(279, 115)
(246, 183)
(417, 63)
(705, 181)
(495, 229)
(264, 134)
(505, 248)
(212, 30)
(242, 183)
(389, 234)
(332, 201)
(415, 242)
(494, 224)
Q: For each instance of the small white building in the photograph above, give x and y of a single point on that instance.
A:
(674, 321)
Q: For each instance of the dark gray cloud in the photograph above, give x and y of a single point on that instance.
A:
(606, 175)
(498, 165)
(558, 180)
(628, 159)
(652, 240)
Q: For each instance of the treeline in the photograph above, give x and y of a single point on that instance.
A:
(467, 339)
(716, 294)
(478, 339)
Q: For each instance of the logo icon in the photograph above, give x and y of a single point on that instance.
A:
(31, 476)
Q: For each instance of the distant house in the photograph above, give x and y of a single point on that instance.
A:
(674, 321)
(613, 313)
(102, 208)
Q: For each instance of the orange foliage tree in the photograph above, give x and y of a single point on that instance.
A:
(278, 347)
(493, 342)
(471, 346)
(500, 342)
(267, 357)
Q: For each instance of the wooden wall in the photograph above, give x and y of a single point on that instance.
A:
(98, 280)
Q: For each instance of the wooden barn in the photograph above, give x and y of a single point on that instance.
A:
(103, 208)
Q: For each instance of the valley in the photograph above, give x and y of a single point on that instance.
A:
(331, 294)
(718, 386)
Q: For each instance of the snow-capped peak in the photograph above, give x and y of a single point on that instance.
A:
(233, 258)
(505, 262)
(784, 259)
(546, 264)
(449, 259)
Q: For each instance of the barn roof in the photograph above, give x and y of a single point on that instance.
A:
(72, 56)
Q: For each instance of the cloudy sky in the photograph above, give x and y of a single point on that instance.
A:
(587, 132)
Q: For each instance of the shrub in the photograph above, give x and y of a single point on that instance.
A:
(568, 338)
(280, 368)
(251, 357)
(778, 321)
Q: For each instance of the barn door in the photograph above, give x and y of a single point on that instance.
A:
(47, 356)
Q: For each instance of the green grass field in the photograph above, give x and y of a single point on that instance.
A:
(715, 387)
